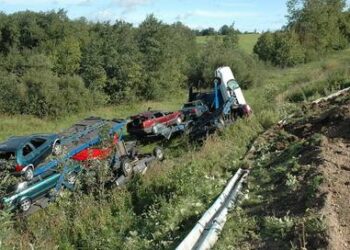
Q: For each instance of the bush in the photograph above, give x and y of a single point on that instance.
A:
(280, 48)
(278, 228)
(267, 118)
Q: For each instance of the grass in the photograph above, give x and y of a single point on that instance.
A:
(246, 41)
(281, 200)
(157, 210)
(25, 124)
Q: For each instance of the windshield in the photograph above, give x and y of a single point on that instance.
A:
(232, 84)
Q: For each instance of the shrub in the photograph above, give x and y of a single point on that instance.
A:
(278, 228)
(280, 48)
(267, 118)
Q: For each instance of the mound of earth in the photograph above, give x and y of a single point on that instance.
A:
(300, 181)
(331, 120)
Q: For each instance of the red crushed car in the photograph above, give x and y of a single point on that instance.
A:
(96, 153)
(143, 124)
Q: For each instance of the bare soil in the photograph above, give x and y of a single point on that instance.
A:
(331, 119)
(318, 138)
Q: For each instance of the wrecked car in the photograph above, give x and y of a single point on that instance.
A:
(25, 153)
(144, 124)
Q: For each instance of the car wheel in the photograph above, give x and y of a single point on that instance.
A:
(126, 167)
(25, 205)
(57, 149)
(158, 153)
(72, 178)
(29, 174)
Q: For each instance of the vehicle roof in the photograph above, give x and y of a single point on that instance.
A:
(13, 143)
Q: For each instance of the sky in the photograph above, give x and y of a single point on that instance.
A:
(248, 15)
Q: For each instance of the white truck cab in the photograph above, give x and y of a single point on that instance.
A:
(229, 86)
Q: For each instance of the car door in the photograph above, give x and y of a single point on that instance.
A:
(42, 148)
(171, 117)
(28, 153)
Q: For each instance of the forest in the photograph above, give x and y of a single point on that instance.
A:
(52, 66)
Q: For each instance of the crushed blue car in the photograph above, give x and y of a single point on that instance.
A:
(25, 153)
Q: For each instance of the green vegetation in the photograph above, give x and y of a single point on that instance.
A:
(246, 42)
(131, 69)
(52, 66)
(27, 124)
(280, 209)
(157, 210)
(315, 28)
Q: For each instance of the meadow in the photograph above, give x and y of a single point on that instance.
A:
(246, 41)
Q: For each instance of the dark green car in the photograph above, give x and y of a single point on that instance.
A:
(26, 193)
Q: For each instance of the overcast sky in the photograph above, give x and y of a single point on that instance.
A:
(247, 14)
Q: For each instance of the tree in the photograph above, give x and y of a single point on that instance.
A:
(315, 27)
(208, 32)
(265, 47)
(67, 57)
(224, 30)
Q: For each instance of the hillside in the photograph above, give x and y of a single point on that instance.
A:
(157, 210)
(297, 193)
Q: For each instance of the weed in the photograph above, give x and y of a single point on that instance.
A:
(267, 118)
(292, 182)
(278, 228)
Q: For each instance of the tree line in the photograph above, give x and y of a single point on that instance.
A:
(314, 28)
(52, 66)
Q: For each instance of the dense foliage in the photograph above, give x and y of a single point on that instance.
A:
(315, 27)
(51, 65)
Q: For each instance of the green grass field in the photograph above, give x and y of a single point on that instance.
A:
(26, 124)
(246, 41)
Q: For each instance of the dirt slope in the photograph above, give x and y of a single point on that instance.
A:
(331, 119)
(297, 195)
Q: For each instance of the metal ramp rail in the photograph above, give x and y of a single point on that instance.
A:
(52, 165)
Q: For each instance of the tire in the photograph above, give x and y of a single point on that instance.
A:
(25, 205)
(57, 149)
(29, 174)
(126, 167)
(158, 153)
(71, 178)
